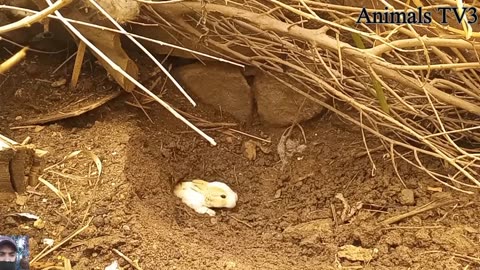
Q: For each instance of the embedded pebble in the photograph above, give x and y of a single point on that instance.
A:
(407, 197)
(10, 221)
(230, 265)
(98, 221)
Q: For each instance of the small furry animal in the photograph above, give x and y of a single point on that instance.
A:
(201, 195)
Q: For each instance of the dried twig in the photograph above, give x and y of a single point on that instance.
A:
(241, 221)
(130, 261)
(467, 258)
(77, 68)
(66, 239)
(419, 105)
(421, 209)
(27, 21)
(12, 61)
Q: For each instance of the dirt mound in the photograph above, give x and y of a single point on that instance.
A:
(285, 219)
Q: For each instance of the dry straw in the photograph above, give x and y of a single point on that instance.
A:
(414, 87)
(430, 89)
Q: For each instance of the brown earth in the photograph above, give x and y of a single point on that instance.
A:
(134, 211)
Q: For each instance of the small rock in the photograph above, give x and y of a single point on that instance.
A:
(354, 253)
(278, 236)
(393, 238)
(407, 197)
(10, 221)
(321, 228)
(310, 241)
(101, 211)
(423, 238)
(39, 224)
(213, 221)
(98, 221)
(220, 85)
(230, 265)
(87, 233)
(250, 150)
(278, 104)
(21, 200)
(116, 221)
(18, 118)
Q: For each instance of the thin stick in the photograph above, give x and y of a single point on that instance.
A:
(334, 214)
(64, 62)
(27, 140)
(241, 221)
(418, 210)
(412, 227)
(249, 135)
(24, 127)
(12, 61)
(364, 139)
(27, 21)
(461, 256)
(132, 263)
(130, 78)
(77, 68)
(141, 107)
(68, 238)
(160, 2)
(67, 264)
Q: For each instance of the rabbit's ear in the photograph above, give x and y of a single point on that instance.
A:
(199, 184)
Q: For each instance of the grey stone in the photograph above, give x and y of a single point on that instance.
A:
(277, 104)
(219, 85)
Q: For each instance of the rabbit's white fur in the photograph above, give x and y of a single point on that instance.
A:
(201, 195)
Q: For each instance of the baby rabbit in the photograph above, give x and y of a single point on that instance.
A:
(201, 195)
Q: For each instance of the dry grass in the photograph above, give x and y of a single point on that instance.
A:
(430, 89)
(414, 87)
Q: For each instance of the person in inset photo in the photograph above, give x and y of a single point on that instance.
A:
(8, 253)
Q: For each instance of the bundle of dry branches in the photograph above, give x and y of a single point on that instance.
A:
(414, 86)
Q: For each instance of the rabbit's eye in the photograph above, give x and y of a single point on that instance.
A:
(223, 196)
